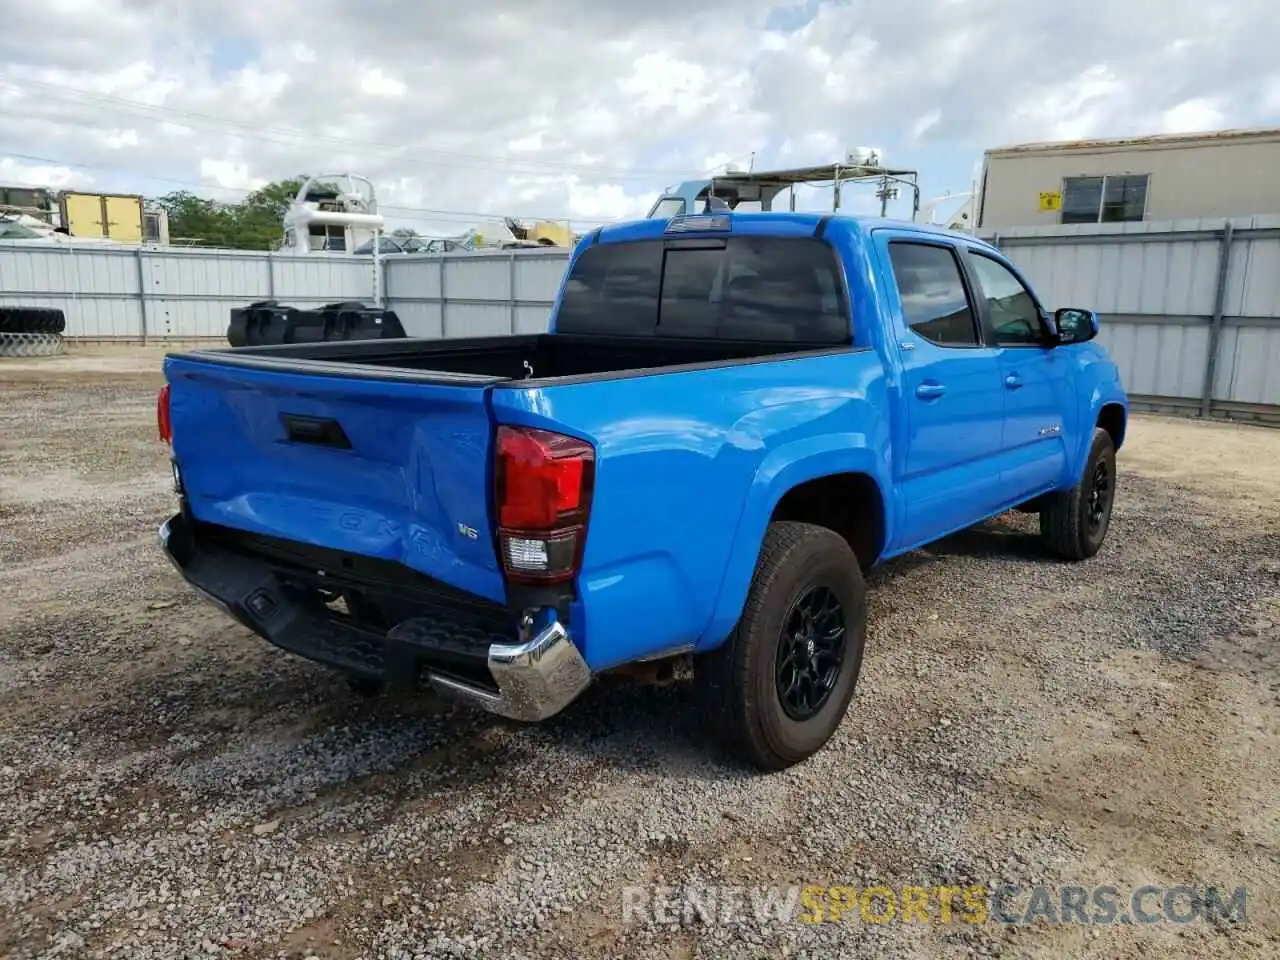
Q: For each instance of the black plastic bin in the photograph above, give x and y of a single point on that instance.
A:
(269, 322)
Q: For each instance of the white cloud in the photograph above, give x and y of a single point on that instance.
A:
(661, 83)
(527, 144)
(588, 109)
(376, 83)
(1192, 116)
(605, 202)
(119, 139)
(137, 81)
(717, 162)
(923, 123)
(1074, 108)
(257, 86)
(231, 174)
(40, 175)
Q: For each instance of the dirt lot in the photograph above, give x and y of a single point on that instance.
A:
(171, 786)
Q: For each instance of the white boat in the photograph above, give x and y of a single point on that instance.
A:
(961, 216)
(28, 229)
(332, 213)
(337, 213)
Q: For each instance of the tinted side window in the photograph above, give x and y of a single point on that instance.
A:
(784, 289)
(934, 302)
(1015, 318)
(613, 289)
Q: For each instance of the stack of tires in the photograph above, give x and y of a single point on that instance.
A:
(31, 331)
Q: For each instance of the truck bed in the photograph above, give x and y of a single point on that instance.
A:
(485, 360)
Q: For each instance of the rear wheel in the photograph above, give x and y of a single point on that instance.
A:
(1073, 523)
(777, 689)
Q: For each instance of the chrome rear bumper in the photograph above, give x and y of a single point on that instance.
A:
(536, 679)
(533, 679)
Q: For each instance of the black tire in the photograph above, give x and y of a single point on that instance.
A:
(738, 684)
(1074, 523)
(26, 345)
(32, 320)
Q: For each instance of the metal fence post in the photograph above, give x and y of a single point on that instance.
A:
(511, 288)
(271, 276)
(1215, 329)
(384, 287)
(443, 304)
(142, 293)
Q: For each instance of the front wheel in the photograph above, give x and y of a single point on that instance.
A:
(777, 689)
(1073, 523)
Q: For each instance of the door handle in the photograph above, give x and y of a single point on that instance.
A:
(1013, 381)
(930, 391)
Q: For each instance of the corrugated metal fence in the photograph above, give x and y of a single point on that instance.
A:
(167, 292)
(1191, 309)
(475, 294)
(171, 293)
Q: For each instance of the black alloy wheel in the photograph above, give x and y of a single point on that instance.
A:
(1099, 497)
(810, 653)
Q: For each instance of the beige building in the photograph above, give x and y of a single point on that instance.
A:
(1229, 173)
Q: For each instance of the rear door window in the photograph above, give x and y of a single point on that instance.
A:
(748, 288)
(783, 289)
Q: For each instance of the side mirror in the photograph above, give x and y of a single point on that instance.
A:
(1075, 325)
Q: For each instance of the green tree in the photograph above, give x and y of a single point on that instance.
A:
(196, 220)
(255, 223)
(258, 218)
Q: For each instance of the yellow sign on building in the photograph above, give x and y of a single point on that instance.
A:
(1050, 200)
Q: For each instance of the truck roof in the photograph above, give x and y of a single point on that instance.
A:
(767, 223)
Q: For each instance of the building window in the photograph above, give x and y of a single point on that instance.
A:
(1104, 199)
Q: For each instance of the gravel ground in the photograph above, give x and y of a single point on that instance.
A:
(171, 786)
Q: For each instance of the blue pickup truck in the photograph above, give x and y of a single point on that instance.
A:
(732, 419)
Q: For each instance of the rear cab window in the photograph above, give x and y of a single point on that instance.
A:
(737, 288)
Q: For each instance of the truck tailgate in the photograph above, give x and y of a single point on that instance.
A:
(372, 462)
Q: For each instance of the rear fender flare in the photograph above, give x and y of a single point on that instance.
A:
(783, 469)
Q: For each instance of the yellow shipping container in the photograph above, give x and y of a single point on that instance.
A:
(112, 215)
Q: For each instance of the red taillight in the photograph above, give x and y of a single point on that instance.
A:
(163, 422)
(544, 482)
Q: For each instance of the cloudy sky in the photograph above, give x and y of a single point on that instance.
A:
(587, 108)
